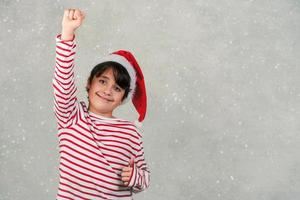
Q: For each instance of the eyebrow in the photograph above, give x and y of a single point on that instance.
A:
(104, 77)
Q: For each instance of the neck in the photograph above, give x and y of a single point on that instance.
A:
(104, 114)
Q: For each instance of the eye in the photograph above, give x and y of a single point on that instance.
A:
(102, 81)
(118, 89)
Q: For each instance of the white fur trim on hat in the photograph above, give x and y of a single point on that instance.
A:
(124, 62)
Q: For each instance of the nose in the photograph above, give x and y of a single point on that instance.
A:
(108, 90)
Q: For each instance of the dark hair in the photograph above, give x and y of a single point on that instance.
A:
(120, 74)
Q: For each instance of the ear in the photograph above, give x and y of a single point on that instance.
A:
(88, 86)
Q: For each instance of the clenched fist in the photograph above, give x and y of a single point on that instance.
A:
(127, 172)
(72, 19)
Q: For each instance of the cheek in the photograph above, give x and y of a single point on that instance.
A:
(92, 91)
(118, 97)
(93, 87)
(121, 96)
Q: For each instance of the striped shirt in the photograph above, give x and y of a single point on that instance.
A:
(93, 149)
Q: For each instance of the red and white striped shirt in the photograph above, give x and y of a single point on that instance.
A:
(93, 149)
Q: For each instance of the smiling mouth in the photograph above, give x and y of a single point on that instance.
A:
(108, 100)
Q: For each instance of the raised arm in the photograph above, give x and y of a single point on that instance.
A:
(65, 101)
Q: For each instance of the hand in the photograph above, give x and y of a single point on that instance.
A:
(127, 171)
(72, 19)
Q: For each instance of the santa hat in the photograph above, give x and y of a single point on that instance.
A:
(137, 91)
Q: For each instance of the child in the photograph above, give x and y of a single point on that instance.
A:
(101, 157)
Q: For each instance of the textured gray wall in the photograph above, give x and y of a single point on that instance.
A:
(223, 86)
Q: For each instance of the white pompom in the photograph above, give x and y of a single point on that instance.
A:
(138, 124)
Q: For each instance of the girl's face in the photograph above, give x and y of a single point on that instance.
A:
(104, 94)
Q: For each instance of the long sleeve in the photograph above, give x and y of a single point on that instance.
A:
(140, 178)
(65, 100)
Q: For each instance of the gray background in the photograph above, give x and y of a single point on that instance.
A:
(223, 86)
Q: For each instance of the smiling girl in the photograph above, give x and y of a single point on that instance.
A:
(101, 156)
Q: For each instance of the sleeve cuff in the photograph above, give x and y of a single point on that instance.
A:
(58, 39)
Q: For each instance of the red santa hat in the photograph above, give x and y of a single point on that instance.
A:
(137, 91)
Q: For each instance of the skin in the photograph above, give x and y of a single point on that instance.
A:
(127, 171)
(104, 94)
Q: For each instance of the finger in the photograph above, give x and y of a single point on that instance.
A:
(71, 14)
(66, 13)
(125, 174)
(82, 14)
(125, 179)
(125, 183)
(77, 14)
(131, 162)
(126, 169)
